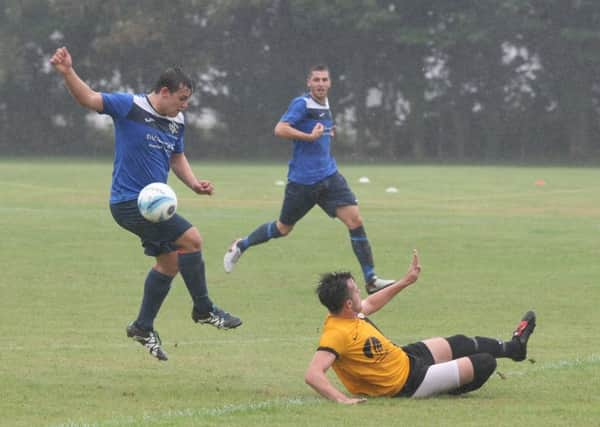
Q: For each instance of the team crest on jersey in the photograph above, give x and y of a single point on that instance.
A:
(173, 128)
(373, 348)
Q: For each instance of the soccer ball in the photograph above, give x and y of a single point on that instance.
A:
(157, 202)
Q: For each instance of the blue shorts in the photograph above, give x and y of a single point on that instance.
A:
(329, 194)
(157, 237)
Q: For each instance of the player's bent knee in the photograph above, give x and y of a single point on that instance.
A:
(170, 271)
(353, 222)
(484, 365)
(167, 264)
(190, 241)
(284, 229)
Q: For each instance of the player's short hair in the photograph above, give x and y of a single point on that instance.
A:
(333, 290)
(173, 78)
(318, 67)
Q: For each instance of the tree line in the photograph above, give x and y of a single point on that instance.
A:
(427, 80)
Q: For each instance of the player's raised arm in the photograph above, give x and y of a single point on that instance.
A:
(83, 94)
(377, 300)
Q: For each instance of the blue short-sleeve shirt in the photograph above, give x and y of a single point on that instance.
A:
(144, 143)
(311, 161)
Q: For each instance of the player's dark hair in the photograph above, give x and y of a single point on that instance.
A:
(173, 79)
(333, 290)
(318, 67)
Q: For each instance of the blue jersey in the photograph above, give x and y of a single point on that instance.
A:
(311, 161)
(144, 143)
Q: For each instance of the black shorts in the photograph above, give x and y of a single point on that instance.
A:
(157, 237)
(420, 360)
(329, 194)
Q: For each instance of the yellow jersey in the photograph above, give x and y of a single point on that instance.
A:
(366, 362)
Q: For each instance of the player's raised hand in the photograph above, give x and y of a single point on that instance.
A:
(61, 60)
(414, 269)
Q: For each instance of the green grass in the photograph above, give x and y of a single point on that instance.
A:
(492, 245)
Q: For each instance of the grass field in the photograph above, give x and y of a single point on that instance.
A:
(493, 245)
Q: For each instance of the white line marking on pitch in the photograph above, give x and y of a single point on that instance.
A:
(157, 417)
(150, 418)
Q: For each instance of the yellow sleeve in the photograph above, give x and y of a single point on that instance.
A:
(333, 341)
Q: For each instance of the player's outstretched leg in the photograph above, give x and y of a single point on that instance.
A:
(217, 318)
(148, 339)
(521, 335)
(263, 233)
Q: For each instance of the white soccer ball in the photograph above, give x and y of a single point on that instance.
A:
(157, 202)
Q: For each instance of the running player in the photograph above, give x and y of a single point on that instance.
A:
(313, 179)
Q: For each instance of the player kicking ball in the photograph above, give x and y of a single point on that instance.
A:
(149, 130)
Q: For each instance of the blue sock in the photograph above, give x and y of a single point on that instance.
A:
(262, 234)
(362, 250)
(156, 288)
(191, 267)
